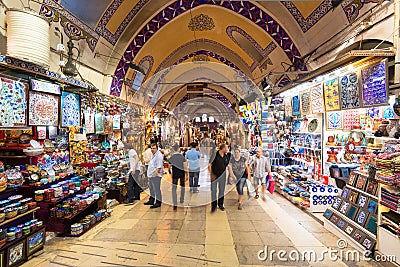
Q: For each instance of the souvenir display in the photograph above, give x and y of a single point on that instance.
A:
(344, 208)
(332, 95)
(368, 243)
(361, 217)
(361, 182)
(16, 254)
(352, 211)
(358, 236)
(372, 206)
(52, 132)
(45, 87)
(374, 85)
(328, 213)
(371, 224)
(41, 132)
(350, 93)
(288, 106)
(116, 122)
(341, 224)
(317, 99)
(334, 120)
(336, 203)
(371, 187)
(13, 103)
(362, 201)
(70, 110)
(43, 109)
(296, 105)
(35, 242)
(99, 123)
(345, 193)
(349, 229)
(352, 178)
(353, 196)
(89, 122)
(108, 124)
(350, 119)
(305, 102)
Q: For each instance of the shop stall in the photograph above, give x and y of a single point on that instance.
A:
(61, 156)
(341, 131)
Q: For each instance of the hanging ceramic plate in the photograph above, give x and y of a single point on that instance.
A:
(313, 125)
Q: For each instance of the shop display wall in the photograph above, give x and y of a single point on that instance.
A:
(353, 214)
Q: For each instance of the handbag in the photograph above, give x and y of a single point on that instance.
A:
(271, 184)
(250, 189)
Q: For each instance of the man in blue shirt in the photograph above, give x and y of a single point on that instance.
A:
(154, 172)
(193, 156)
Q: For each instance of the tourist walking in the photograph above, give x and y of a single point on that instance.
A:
(193, 156)
(154, 172)
(261, 168)
(176, 162)
(240, 170)
(134, 170)
(217, 168)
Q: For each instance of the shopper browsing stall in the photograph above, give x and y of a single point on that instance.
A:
(134, 170)
(154, 172)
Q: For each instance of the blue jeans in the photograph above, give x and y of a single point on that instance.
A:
(220, 183)
(155, 190)
(240, 185)
(193, 180)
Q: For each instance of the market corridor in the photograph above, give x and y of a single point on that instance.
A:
(139, 236)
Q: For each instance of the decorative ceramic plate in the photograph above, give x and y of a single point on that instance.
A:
(313, 125)
(35, 144)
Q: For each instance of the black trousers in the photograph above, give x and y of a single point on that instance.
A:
(174, 188)
(220, 183)
(133, 187)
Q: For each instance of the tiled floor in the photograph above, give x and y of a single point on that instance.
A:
(192, 236)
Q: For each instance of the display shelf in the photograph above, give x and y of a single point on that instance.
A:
(344, 165)
(80, 212)
(383, 138)
(17, 240)
(342, 235)
(342, 146)
(90, 227)
(348, 220)
(13, 148)
(13, 157)
(310, 148)
(361, 191)
(385, 205)
(18, 216)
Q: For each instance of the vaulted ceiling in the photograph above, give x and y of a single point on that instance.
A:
(253, 37)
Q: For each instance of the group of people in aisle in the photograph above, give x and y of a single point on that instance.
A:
(242, 171)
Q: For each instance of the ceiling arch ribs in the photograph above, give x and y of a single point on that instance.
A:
(207, 47)
(246, 9)
(251, 47)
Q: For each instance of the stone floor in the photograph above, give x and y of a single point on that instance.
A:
(192, 236)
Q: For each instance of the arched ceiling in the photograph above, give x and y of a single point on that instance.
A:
(254, 37)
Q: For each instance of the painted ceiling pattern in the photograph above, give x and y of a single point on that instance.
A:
(307, 23)
(263, 52)
(246, 9)
(203, 41)
(201, 22)
(75, 25)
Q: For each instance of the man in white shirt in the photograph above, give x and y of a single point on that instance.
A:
(261, 168)
(154, 172)
(134, 170)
